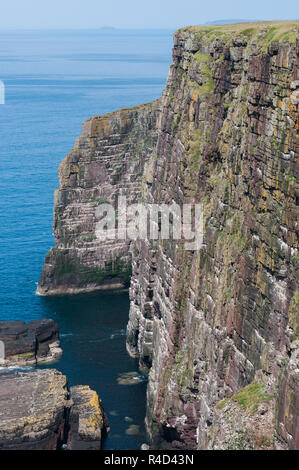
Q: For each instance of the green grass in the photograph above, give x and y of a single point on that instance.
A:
(290, 177)
(294, 314)
(99, 201)
(221, 404)
(202, 58)
(29, 354)
(250, 397)
(206, 88)
(270, 35)
(249, 32)
(171, 97)
(263, 32)
(206, 71)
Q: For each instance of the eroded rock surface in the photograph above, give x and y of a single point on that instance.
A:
(32, 410)
(29, 343)
(37, 412)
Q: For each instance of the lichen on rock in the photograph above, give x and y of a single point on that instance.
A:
(87, 420)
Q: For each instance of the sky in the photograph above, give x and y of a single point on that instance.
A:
(168, 14)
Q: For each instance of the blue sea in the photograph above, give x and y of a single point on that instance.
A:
(54, 80)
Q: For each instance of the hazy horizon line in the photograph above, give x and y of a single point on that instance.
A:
(169, 28)
(93, 29)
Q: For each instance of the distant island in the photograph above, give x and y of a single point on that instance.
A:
(211, 23)
(107, 28)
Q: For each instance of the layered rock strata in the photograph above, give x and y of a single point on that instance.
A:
(108, 161)
(27, 344)
(34, 410)
(209, 323)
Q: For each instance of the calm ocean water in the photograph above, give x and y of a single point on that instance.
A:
(54, 81)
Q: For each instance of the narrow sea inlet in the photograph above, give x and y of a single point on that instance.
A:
(92, 332)
(54, 81)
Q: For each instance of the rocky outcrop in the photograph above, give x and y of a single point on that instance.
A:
(87, 420)
(28, 344)
(108, 160)
(209, 323)
(34, 410)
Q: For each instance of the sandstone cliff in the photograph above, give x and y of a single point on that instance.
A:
(108, 160)
(217, 328)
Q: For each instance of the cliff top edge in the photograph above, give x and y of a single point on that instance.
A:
(121, 111)
(270, 31)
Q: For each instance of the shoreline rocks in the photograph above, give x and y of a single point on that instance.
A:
(37, 412)
(29, 344)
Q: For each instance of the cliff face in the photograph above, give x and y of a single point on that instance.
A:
(218, 327)
(108, 160)
(211, 322)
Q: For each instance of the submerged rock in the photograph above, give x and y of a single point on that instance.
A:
(133, 430)
(129, 378)
(29, 344)
(145, 447)
(128, 419)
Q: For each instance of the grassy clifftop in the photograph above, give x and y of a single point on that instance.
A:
(263, 32)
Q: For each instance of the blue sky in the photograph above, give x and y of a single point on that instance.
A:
(85, 14)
